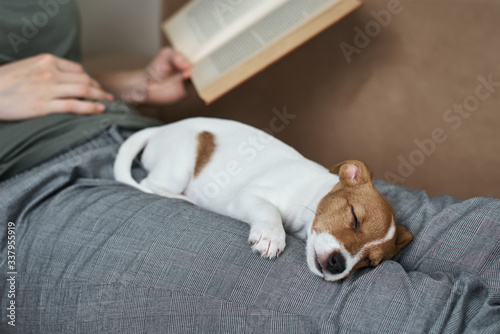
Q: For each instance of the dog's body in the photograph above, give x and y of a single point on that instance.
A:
(245, 173)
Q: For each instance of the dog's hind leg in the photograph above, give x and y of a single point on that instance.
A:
(267, 234)
(162, 191)
(169, 176)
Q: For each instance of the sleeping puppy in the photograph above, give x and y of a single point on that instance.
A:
(242, 172)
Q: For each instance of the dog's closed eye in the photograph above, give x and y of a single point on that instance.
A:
(355, 222)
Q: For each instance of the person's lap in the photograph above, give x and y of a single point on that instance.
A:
(93, 255)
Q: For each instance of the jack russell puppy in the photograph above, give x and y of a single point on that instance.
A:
(242, 172)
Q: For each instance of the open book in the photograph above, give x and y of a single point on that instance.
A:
(228, 41)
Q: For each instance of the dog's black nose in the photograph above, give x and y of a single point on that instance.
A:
(336, 263)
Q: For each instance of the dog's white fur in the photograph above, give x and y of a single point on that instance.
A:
(251, 176)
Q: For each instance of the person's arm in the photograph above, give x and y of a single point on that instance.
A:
(161, 82)
(45, 84)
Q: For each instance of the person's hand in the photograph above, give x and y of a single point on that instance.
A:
(45, 84)
(165, 77)
(160, 83)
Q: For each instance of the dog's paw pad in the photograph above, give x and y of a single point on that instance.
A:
(268, 245)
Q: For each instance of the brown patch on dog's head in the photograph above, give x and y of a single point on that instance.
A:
(204, 151)
(360, 221)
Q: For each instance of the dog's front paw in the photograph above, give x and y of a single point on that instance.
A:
(268, 242)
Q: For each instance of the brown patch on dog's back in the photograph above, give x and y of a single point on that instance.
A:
(205, 149)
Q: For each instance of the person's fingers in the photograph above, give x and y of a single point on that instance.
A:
(78, 78)
(161, 66)
(182, 65)
(169, 59)
(48, 60)
(77, 70)
(83, 91)
(181, 62)
(55, 69)
(168, 91)
(176, 62)
(73, 106)
(69, 66)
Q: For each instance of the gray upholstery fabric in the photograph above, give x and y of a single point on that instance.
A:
(96, 256)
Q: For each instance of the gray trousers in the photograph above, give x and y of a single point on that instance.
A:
(94, 256)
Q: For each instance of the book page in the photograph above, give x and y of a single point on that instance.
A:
(268, 30)
(204, 25)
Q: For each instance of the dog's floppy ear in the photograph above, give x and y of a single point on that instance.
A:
(378, 253)
(352, 172)
(403, 237)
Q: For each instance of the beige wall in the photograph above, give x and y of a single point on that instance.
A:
(391, 101)
(112, 26)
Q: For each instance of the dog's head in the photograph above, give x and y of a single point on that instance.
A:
(354, 227)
